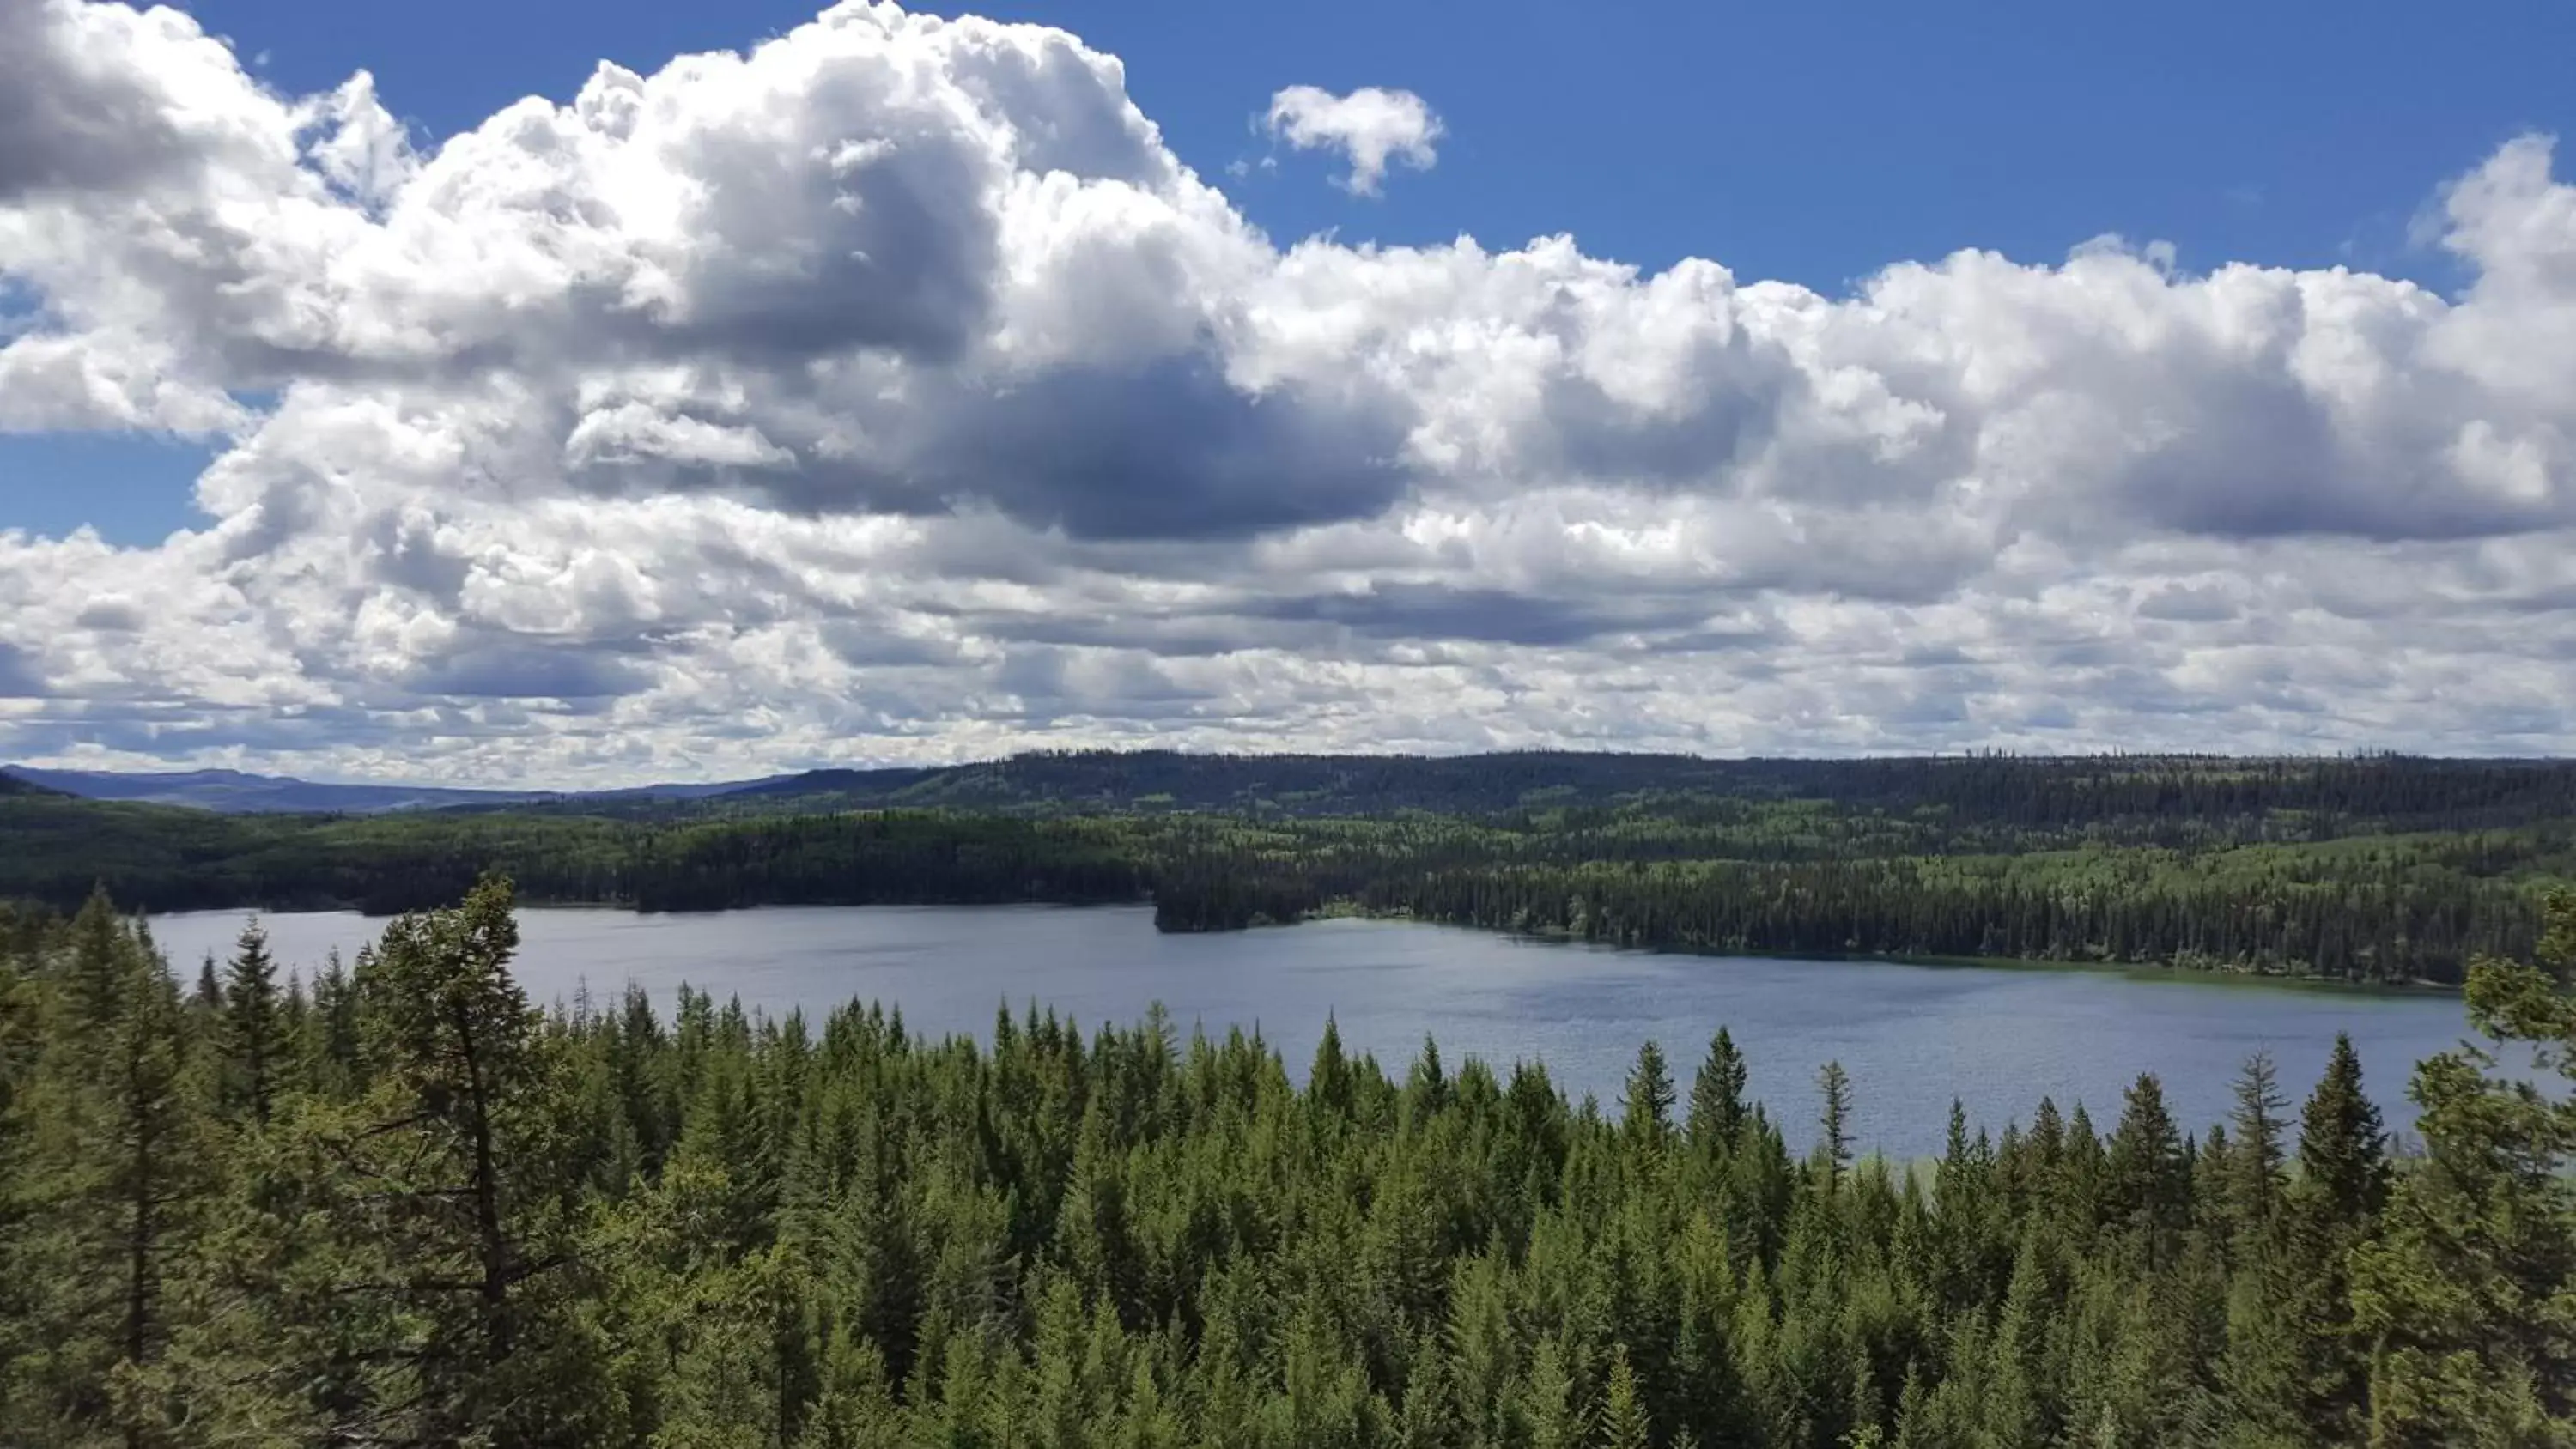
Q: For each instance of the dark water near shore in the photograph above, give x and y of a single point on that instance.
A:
(1912, 1037)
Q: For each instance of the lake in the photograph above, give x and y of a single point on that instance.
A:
(1912, 1037)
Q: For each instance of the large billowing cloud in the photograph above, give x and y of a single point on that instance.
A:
(889, 391)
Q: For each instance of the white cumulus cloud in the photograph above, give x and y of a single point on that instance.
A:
(1372, 126)
(888, 390)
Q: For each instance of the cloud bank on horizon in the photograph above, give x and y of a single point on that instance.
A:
(889, 391)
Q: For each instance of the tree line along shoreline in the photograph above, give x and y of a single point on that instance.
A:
(2382, 870)
(2398, 911)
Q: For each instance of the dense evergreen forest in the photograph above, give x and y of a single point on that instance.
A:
(395, 1206)
(2394, 792)
(2373, 869)
(2377, 869)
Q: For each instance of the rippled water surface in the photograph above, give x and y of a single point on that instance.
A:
(1912, 1037)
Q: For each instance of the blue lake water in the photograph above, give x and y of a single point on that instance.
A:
(1912, 1037)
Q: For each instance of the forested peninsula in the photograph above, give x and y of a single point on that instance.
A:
(2378, 868)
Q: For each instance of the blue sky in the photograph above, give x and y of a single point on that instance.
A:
(883, 390)
(1807, 142)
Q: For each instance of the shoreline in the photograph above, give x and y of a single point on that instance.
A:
(2135, 970)
(1348, 911)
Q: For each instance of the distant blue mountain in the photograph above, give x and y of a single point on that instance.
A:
(233, 792)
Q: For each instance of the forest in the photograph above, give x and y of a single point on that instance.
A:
(391, 1204)
(2380, 868)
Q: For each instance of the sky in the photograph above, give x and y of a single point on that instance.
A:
(578, 394)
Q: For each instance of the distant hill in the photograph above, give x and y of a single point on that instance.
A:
(1097, 780)
(1168, 780)
(236, 793)
(2299, 798)
(2024, 791)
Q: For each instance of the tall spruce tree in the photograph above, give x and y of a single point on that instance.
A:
(2147, 1183)
(2255, 1166)
(253, 1037)
(2343, 1148)
(409, 1255)
(2469, 1293)
(1833, 1136)
(209, 998)
(2261, 1367)
(115, 1167)
(101, 955)
(2334, 1206)
(1647, 1107)
(1623, 1423)
(158, 1174)
(1717, 1105)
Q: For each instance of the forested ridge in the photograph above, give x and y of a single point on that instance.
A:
(2384, 792)
(2372, 869)
(391, 1204)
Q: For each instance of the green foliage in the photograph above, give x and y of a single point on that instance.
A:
(2378, 868)
(254, 1040)
(2469, 1289)
(109, 1166)
(459, 1221)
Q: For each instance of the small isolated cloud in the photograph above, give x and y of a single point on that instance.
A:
(1371, 125)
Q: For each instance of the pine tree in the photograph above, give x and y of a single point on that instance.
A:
(1097, 1239)
(28, 1018)
(1547, 1412)
(115, 1167)
(1834, 1140)
(410, 1253)
(2470, 1293)
(1717, 1106)
(1329, 1084)
(158, 1163)
(2343, 1151)
(1426, 1087)
(855, 1408)
(2262, 1363)
(1146, 1420)
(101, 948)
(325, 1054)
(209, 998)
(1646, 1109)
(254, 1038)
(2148, 1173)
(1623, 1417)
(2334, 1205)
(2254, 1168)
(1480, 1350)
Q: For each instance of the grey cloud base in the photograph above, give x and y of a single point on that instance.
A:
(888, 391)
